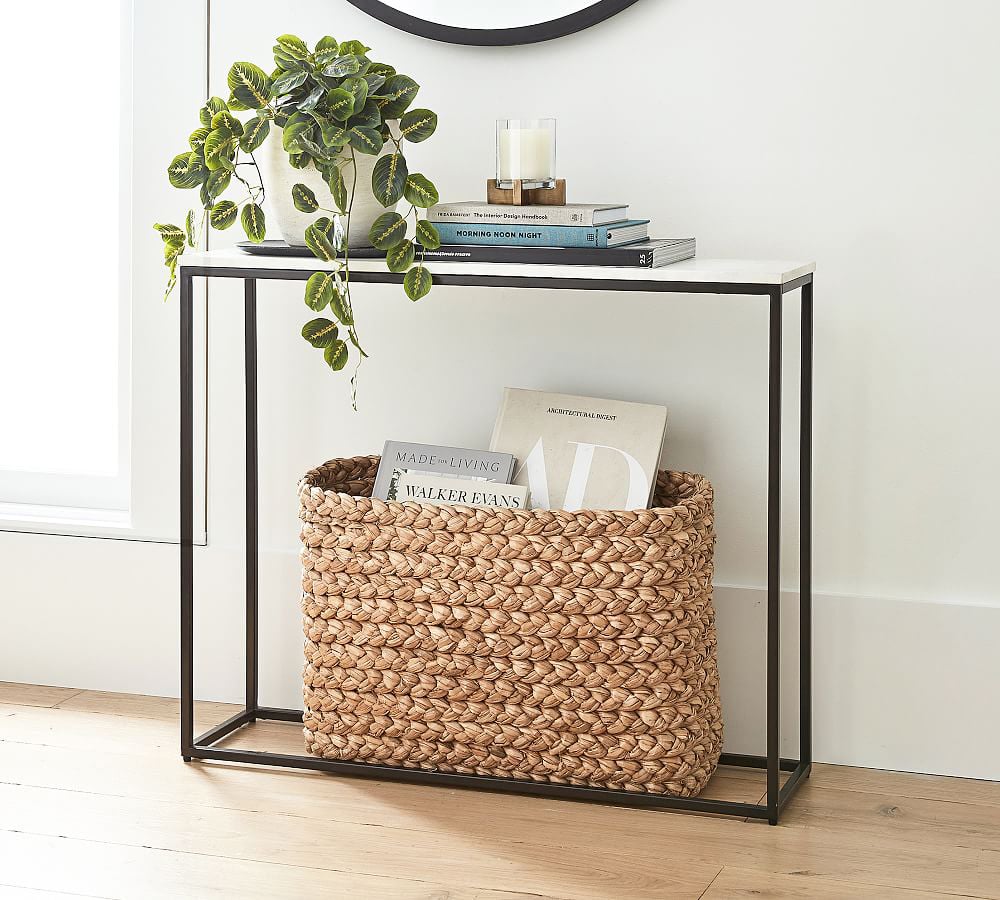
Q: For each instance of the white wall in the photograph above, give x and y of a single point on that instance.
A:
(860, 134)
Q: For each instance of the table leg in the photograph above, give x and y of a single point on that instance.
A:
(774, 556)
(187, 515)
(250, 364)
(805, 527)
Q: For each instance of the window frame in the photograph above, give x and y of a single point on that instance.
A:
(140, 502)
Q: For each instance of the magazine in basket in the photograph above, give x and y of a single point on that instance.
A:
(581, 452)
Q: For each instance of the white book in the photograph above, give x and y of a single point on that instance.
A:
(440, 489)
(400, 456)
(581, 452)
(508, 214)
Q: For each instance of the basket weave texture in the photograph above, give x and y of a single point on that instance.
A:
(567, 647)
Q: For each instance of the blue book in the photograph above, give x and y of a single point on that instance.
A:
(497, 234)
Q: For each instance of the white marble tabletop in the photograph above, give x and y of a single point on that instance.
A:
(721, 271)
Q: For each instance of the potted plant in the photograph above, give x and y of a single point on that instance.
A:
(342, 121)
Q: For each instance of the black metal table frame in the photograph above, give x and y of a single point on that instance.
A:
(203, 746)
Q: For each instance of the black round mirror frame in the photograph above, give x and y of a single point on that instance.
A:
(494, 37)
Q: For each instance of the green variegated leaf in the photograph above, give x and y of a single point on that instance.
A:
(368, 117)
(400, 257)
(171, 234)
(336, 355)
(419, 190)
(387, 230)
(357, 88)
(219, 146)
(374, 82)
(249, 84)
(254, 133)
(388, 177)
(299, 160)
(341, 309)
(236, 104)
(293, 132)
(222, 215)
(327, 50)
(427, 235)
(252, 220)
(310, 101)
(181, 174)
(396, 95)
(338, 189)
(318, 118)
(312, 148)
(287, 82)
(224, 120)
(211, 107)
(417, 125)
(320, 332)
(197, 138)
(304, 199)
(355, 47)
(334, 136)
(205, 196)
(171, 252)
(189, 227)
(318, 241)
(340, 104)
(365, 140)
(214, 140)
(325, 57)
(343, 65)
(297, 118)
(291, 46)
(217, 182)
(417, 282)
(286, 64)
(320, 289)
(386, 71)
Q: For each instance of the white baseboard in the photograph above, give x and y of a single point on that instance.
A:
(897, 684)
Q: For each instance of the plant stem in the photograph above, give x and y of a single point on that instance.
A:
(260, 178)
(347, 281)
(247, 185)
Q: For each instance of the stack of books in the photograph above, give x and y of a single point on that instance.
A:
(549, 451)
(581, 234)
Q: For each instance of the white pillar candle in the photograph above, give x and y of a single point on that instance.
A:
(526, 153)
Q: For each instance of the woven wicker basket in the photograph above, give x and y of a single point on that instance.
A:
(568, 647)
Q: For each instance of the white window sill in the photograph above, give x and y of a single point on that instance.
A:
(114, 524)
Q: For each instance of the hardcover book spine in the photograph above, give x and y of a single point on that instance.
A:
(523, 235)
(548, 256)
(511, 215)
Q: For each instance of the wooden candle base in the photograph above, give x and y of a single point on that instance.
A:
(522, 196)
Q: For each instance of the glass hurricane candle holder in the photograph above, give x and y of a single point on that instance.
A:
(526, 152)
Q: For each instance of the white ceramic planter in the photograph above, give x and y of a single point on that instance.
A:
(280, 176)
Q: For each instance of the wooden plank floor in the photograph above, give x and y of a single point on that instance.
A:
(95, 802)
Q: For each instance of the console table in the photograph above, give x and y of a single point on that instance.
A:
(753, 278)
